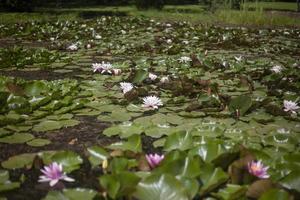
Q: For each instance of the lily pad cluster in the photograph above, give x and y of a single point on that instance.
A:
(225, 125)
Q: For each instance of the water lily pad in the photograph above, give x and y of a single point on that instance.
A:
(18, 161)
(38, 142)
(69, 159)
(17, 138)
(160, 187)
(97, 155)
(133, 144)
(47, 125)
(180, 140)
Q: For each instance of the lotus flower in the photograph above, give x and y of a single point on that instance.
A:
(151, 102)
(154, 159)
(53, 173)
(152, 76)
(276, 69)
(126, 87)
(103, 67)
(184, 59)
(290, 106)
(258, 169)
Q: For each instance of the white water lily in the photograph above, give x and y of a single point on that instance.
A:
(238, 58)
(290, 106)
(98, 37)
(152, 76)
(276, 69)
(126, 87)
(151, 102)
(164, 79)
(72, 47)
(184, 59)
(102, 67)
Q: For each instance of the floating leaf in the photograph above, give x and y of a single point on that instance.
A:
(69, 159)
(97, 155)
(17, 138)
(160, 187)
(180, 140)
(47, 125)
(133, 144)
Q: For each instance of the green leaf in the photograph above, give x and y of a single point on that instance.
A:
(111, 184)
(184, 166)
(180, 140)
(231, 192)
(140, 75)
(241, 103)
(17, 138)
(47, 125)
(69, 159)
(160, 187)
(97, 155)
(79, 194)
(133, 144)
(292, 181)
(38, 142)
(19, 161)
(35, 88)
(211, 178)
(275, 194)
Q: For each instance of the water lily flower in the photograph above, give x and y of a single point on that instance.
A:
(126, 87)
(152, 76)
(164, 79)
(151, 102)
(72, 47)
(53, 173)
(102, 67)
(276, 69)
(258, 169)
(184, 59)
(154, 159)
(238, 59)
(98, 37)
(290, 106)
(169, 41)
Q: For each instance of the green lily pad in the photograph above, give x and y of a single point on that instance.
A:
(69, 160)
(17, 138)
(38, 142)
(18, 161)
(97, 155)
(47, 125)
(160, 187)
(133, 144)
(180, 140)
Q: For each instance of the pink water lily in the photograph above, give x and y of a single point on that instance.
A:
(258, 169)
(53, 173)
(154, 159)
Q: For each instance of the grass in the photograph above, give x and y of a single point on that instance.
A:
(272, 5)
(191, 13)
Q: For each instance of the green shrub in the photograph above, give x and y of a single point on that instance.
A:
(19, 5)
(146, 4)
